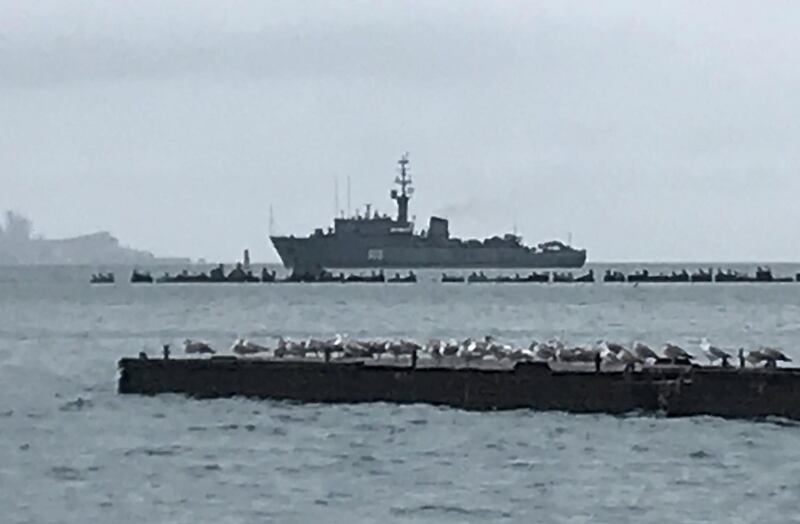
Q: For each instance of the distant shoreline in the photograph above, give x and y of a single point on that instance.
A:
(20, 247)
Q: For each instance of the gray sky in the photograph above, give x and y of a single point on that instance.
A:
(649, 130)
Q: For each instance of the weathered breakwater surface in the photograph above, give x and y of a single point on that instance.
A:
(72, 450)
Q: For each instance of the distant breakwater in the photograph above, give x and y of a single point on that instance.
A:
(641, 276)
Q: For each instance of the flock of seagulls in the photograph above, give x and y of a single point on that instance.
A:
(601, 353)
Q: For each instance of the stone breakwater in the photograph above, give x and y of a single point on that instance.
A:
(667, 389)
(240, 275)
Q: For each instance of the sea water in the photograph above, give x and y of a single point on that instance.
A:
(73, 450)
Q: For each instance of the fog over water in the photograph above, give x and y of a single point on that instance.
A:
(648, 131)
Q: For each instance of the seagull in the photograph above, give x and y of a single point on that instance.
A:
(289, 347)
(472, 350)
(403, 347)
(673, 352)
(256, 348)
(434, 347)
(522, 354)
(245, 347)
(643, 351)
(373, 348)
(542, 351)
(576, 354)
(775, 354)
(354, 348)
(567, 355)
(312, 345)
(338, 342)
(756, 357)
(410, 345)
(197, 346)
(609, 357)
(587, 353)
(500, 351)
(450, 349)
(358, 348)
(239, 347)
(614, 347)
(627, 357)
(713, 353)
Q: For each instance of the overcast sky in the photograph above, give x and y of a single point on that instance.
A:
(649, 130)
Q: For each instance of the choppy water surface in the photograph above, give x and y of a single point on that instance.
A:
(72, 450)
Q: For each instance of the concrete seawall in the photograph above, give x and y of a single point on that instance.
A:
(525, 386)
(674, 391)
(750, 393)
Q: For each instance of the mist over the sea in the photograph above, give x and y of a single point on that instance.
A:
(647, 131)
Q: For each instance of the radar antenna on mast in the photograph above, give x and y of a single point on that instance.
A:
(404, 195)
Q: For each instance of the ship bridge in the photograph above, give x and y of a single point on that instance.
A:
(373, 226)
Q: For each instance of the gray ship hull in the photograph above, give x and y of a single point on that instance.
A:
(413, 252)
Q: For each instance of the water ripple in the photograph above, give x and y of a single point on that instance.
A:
(444, 510)
(72, 450)
(157, 451)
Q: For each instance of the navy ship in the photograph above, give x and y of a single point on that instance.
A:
(380, 241)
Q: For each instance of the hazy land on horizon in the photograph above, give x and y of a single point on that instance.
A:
(20, 246)
(647, 131)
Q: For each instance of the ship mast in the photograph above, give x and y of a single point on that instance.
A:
(404, 195)
(271, 222)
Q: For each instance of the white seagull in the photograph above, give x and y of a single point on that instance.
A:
(608, 355)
